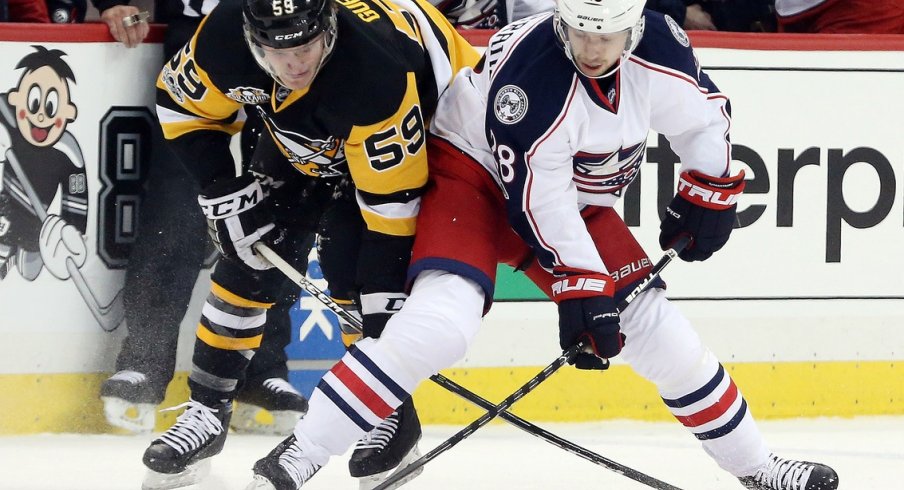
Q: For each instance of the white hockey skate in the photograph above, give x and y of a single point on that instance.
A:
(272, 408)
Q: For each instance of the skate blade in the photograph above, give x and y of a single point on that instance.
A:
(372, 481)
(251, 419)
(136, 418)
(192, 474)
(260, 483)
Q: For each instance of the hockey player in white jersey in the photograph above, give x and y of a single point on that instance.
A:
(529, 152)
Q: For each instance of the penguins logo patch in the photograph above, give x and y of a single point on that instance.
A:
(510, 104)
(677, 31)
(248, 95)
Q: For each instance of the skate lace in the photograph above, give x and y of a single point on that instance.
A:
(784, 474)
(380, 435)
(133, 377)
(279, 385)
(193, 428)
(296, 465)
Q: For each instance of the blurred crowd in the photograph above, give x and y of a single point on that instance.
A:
(793, 16)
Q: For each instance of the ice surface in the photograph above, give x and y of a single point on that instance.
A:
(868, 454)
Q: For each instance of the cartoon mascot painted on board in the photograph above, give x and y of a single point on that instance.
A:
(43, 185)
(40, 164)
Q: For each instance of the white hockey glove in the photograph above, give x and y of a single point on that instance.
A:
(60, 242)
(237, 217)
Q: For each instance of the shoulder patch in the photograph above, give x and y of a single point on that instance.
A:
(510, 104)
(248, 95)
(677, 31)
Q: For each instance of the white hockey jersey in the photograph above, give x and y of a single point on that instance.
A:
(556, 141)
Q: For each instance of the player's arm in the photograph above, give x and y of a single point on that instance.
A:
(74, 199)
(388, 164)
(197, 118)
(695, 116)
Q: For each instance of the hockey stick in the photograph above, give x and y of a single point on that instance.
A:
(459, 390)
(108, 316)
(463, 392)
(566, 356)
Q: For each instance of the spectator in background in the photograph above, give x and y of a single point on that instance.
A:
(34, 11)
(67, 11)
(841, 16)
(719, 15)
(489, 14)
(164, 265)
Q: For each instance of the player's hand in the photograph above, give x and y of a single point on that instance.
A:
(705, 209)
(587, 312)
(377, 309)
(58, 243)
(697, 19)
(131, 35)
(238, 216)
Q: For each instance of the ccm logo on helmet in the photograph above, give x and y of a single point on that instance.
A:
(288, 37)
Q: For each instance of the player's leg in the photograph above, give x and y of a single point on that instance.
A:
(163, 267)
(230, 331)
(228, 334)
(454, 262)
(394, 442)
(376, 376)
(664, 348)
(266, 402)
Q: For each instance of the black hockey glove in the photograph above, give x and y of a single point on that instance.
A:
(705, 209)
(587, 312)
(238, 217)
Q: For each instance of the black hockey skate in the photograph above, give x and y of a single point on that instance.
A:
(285, 468)
(789, 474)
(181, 455)
(272, 407)
(389, 446)
(130, 401)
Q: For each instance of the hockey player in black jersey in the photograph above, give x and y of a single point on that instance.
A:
(346, 89)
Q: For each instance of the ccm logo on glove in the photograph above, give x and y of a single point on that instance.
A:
(232, 204)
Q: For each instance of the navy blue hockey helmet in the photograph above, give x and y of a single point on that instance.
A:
(287, 23)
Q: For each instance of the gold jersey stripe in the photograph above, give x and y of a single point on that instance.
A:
(234, 299)
(389, 226)
(228, 343)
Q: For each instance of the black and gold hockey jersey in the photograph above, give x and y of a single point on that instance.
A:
(364, 114)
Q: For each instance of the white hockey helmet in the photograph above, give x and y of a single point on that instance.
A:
(600, 17)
